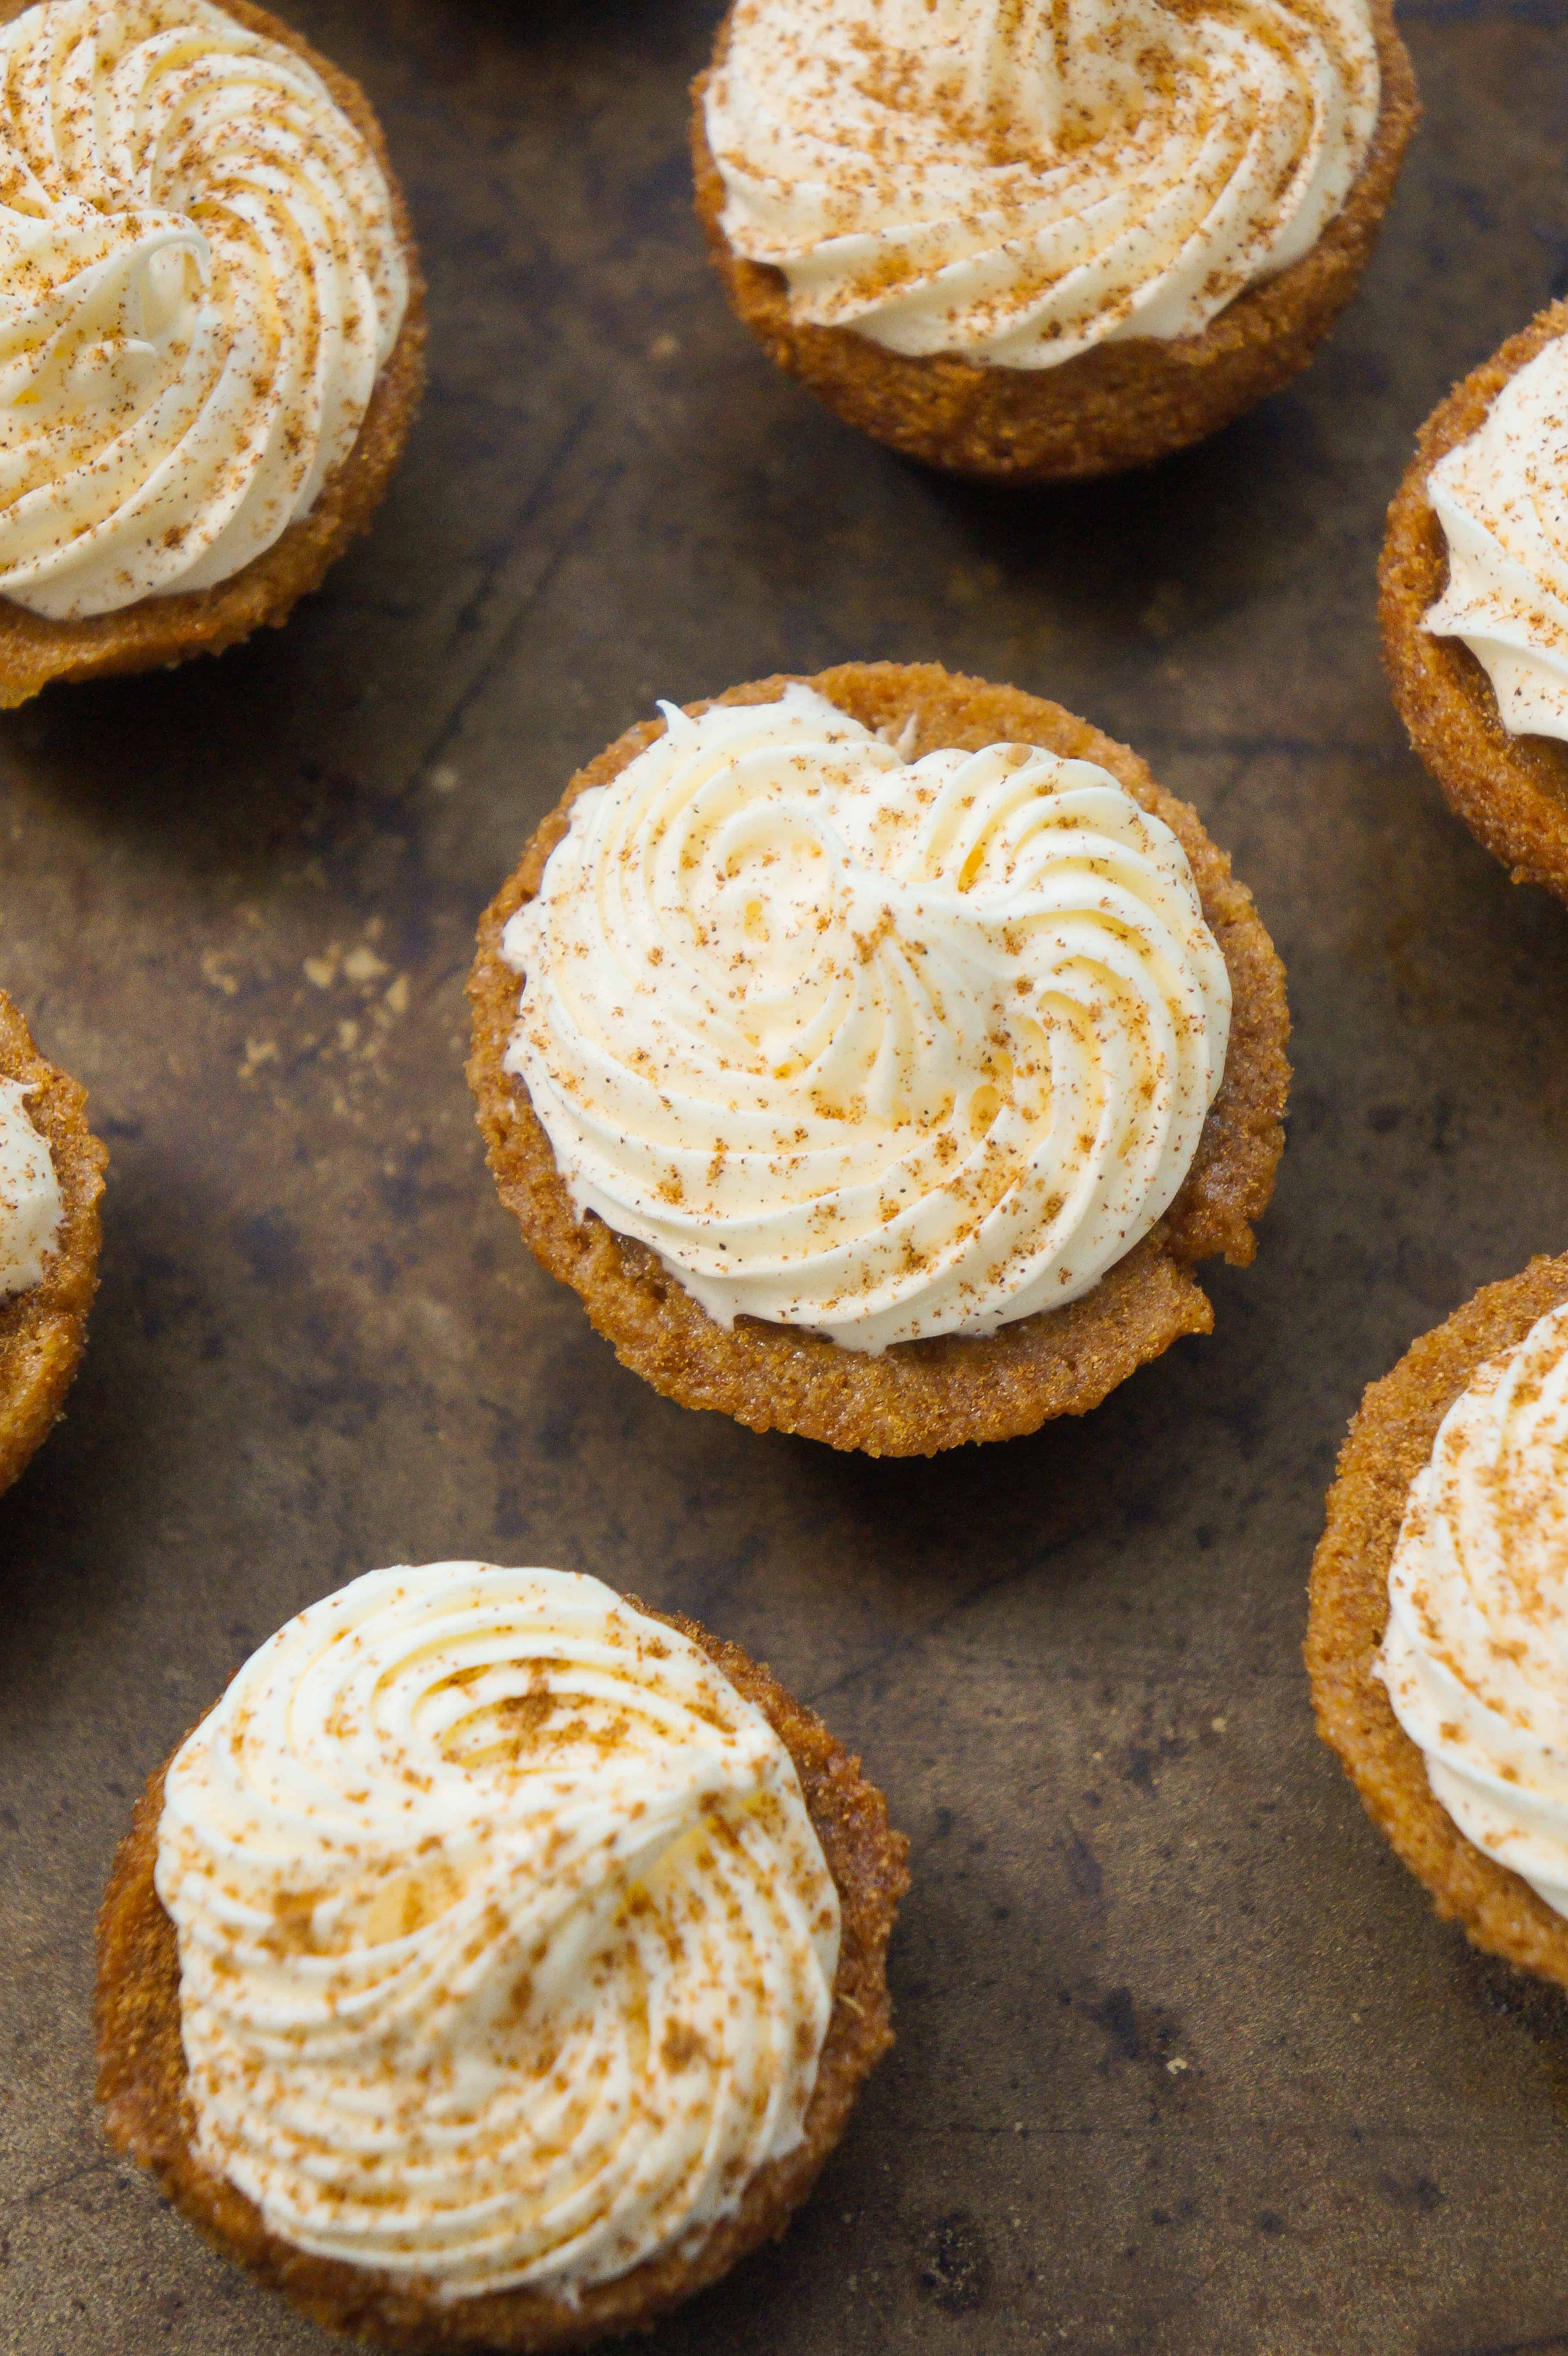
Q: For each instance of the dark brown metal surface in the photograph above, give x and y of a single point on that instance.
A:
(1185, 2062)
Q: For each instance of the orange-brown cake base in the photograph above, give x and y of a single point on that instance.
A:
(147, 2112)
(1510, 791)
(159, 631)
(1119, 405)
(1390, 1440)
(918, 1396)
(43, 1333)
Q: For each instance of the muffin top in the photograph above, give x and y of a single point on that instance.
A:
(201, 278)
(507, 1944)
(1501, 498)
(882, 1047)
(1018, 184)
(1475, 1656)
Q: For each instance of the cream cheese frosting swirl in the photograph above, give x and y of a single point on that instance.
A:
(1502, 500)
(201, 279)
(886, 1048)
(31, 1211)
(1015, 181)
(507, 1944)
(1475, 1656)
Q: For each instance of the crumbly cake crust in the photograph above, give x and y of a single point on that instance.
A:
(1119, 405)
(44, 1331)
(162, 631)
(148, 2115)
(918, 1396)
(1510, 791)
(1390, 1440)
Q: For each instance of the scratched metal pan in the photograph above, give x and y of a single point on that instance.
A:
(1185, 2063)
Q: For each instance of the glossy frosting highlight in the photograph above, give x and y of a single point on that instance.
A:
(1015, 181)
(30, 1207)
(507, 1944)
(882, 1047)
(201, 279)
(1502, 500)
(1475, 1652)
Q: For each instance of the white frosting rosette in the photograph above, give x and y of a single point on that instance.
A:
(881, 1047)
(1502, 500)
(1018, 184)
(31, 1211)
(506, 1944)
(1475, 1656)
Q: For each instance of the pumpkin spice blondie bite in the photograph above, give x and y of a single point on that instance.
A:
(497, 1963)
(1474, 602)
(211, 330)
(875, 1055)
(1040, 242)
(1439, 1614)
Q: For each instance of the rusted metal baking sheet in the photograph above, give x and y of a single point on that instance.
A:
(1185, 2063)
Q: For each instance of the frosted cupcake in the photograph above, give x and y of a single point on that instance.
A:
(1438, 1640)
(1475, 601)
(1045, 242)
(876, 1054)
(497, 1963)
(214, 330)
(51, 1176)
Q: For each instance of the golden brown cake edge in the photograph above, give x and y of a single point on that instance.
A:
(148, 2117)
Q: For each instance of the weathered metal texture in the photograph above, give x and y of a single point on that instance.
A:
(1185, 2062)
